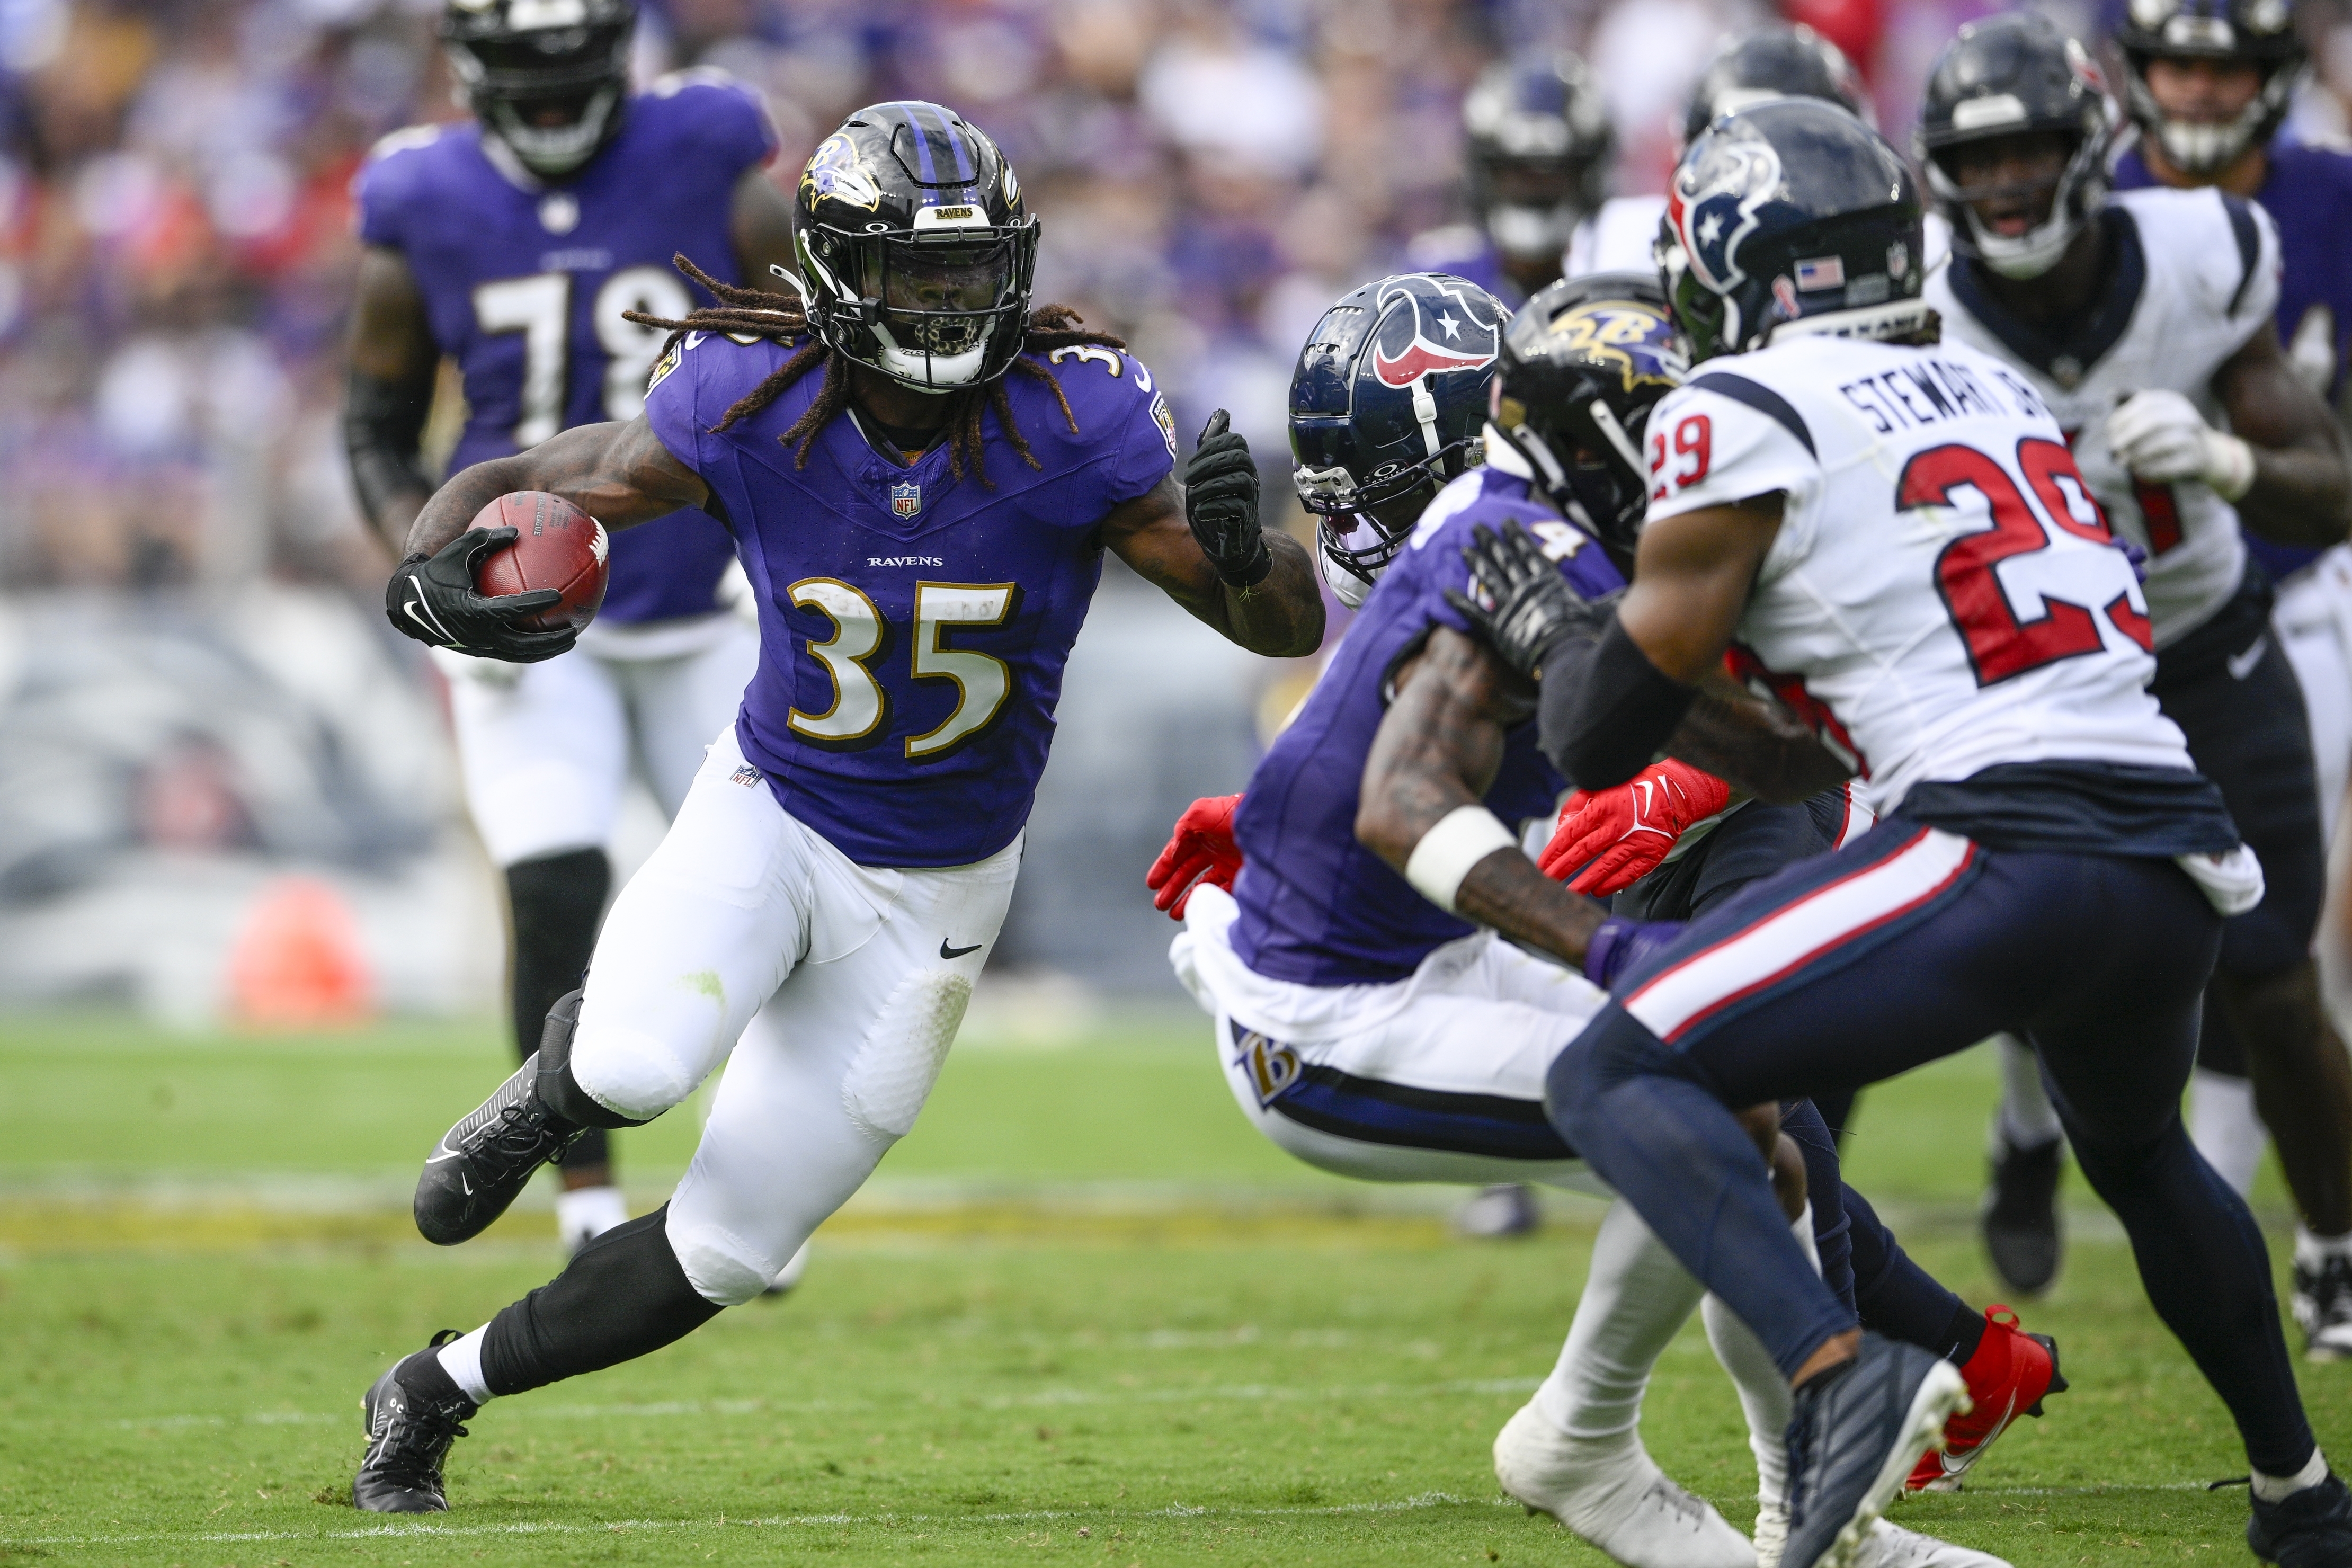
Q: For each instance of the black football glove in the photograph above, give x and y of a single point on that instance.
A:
(1529, 608)
(1221, 504)
(432, 598)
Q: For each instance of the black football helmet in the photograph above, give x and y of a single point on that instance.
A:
(918, 256)
(1583, 365)
(2015, 75)
(548, 78)
(2259, 33)
(1540, 142)
(1783, 60)
(1791, 215)
(1387, 404)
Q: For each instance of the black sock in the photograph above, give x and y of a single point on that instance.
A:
(623, 1296)
(1896, 1296)
(1963, 1334)
(426, 1380)
(558, 901)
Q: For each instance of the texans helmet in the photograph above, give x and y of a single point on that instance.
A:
(2013, 76)
(1387, 405)
(2258, 33)
(918, 256)
(1583, 365)
(1791, 215)
(548, 78)
(1541, 143)
(1779, 62)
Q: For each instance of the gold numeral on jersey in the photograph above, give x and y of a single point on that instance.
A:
(982, 679)
(857, 627)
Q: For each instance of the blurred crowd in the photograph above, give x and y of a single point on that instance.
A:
(175, 246)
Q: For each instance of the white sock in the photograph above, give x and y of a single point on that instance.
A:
(584, 1213)
(462, 1360)
(2311, 1251)
(2027, 1119)
(1764, 1395)
(2275, 1489)
(1636, 1299)
(2224, 1127)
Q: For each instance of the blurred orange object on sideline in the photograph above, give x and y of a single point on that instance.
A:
(298, 963)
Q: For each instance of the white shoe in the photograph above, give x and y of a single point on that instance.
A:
(789, 1274)
(1614, 1496)
(1886, 1546)
(584, 1213)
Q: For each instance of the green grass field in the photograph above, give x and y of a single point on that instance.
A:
(1084, 1315)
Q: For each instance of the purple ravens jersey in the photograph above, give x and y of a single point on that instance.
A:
(1317, 907)
(525, 281)
(913, 625)
(2308, 195)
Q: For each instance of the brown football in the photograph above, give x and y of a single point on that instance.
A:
(560, 547)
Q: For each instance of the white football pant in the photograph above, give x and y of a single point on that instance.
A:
(546, 750)
(746, 923)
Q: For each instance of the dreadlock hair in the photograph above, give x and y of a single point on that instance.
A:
(753, 312)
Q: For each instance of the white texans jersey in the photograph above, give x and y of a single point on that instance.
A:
(1618, 235)
(2195, 274)
(1942, 596)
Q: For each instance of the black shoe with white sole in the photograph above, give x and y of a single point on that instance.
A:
(413, 1413)
(1856, 1433)
(2309, 1529)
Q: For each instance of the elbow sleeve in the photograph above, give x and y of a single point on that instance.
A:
(1606, 710)
(384, 424)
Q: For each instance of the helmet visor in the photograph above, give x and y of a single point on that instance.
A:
(943, 299)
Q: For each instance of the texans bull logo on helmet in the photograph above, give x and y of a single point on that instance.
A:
(1408, 344)
(1713, 206)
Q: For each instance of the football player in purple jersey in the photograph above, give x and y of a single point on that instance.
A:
(1366, 1026)
(2207, 83)
(1539, 152)
(921, 474)
(514, 245)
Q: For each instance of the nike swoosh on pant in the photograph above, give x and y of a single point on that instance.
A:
(2242, 664)
(953, 953)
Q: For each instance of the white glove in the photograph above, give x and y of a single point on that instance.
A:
(2161, 437)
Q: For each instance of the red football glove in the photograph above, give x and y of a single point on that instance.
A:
(1201, 850)
(1610, 839)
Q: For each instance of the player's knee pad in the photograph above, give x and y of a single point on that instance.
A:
(723, 1267)
(559, 1080)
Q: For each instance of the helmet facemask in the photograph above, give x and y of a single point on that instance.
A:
(553, 95)
(2074, 194)
(938, 311)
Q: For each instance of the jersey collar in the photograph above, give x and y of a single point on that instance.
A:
(2066, 359)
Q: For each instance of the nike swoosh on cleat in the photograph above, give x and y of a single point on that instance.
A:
(466, 1182)
(946, 951)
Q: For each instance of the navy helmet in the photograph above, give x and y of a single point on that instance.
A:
(1387, 405)
(1784, 60)
(918, 255)
(1791, 213)
(548, 78)
(2259, 33)
(1539, 147)
(1583, 365)
(2013, 75)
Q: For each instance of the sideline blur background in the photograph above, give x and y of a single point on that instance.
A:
(224, 784)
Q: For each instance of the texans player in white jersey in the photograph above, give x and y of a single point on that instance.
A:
(2208, 84)
(2144, 321)
(922, 474)
(512, 245)
(1940, 597)
(1364, 1024)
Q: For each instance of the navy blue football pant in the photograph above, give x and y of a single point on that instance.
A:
(1910, 945)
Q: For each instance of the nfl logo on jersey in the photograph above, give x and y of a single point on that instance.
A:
(906, 500)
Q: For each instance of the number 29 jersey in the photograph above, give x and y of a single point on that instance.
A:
(1943, 596)
(524, 282)
(914, 622)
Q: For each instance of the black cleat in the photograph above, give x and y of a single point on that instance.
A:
(482, 1165)
(2309, 1529)
(1856, 1433)
(412, 1415)
(2021, 1214)
(2322, 1299)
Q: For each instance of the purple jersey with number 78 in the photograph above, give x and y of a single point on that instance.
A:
(525, 281)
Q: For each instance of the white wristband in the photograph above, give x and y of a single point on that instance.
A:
(2228, 465)
(1463, 837)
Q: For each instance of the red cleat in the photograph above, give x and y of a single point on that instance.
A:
(2007, 1377)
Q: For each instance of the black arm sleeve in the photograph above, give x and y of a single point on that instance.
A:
(1606, 709)
(384, 425)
